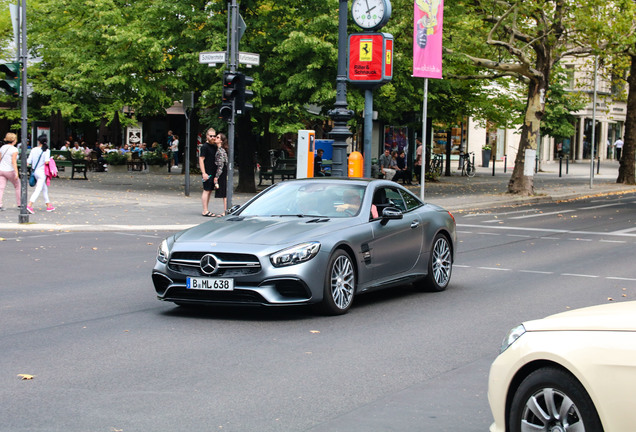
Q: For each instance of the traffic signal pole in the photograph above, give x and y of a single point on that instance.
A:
(232, 49)
(22, 48)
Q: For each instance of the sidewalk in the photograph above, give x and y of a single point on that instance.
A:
(142, 201)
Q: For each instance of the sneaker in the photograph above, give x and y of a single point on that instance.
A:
(30, 209)
(50, 209)
(175, 167)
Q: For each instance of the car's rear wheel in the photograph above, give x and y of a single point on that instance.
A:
(440, 265)
(340, 284)
(550, 399)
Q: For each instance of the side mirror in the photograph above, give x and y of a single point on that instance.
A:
(391, 213)
(233, 209)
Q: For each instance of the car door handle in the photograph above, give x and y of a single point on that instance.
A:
(415, 224)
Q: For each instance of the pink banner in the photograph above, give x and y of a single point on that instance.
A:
(427, 38)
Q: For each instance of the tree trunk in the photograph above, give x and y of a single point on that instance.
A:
(519, 183)
(626, 169)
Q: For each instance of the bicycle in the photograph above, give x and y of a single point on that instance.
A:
(437, 163)
(467, 163)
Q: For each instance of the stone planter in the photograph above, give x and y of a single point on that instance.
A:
(158, 169)
(485, 158)
(117, 169)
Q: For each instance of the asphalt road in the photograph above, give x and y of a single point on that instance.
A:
(78, 313)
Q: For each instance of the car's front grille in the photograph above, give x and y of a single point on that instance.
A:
(236, 296)
(229, 264)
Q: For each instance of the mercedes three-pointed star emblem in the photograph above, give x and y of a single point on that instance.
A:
(209, 264)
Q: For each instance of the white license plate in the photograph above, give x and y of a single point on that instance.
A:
(210, 284)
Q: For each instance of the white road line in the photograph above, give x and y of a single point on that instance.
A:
(494, 268)
(621, 278)
(627, 233)
(519, 235)
(612, 241)
(580, 239)
(579, 275)
(541, 214)
(600, 206)
(536, 272)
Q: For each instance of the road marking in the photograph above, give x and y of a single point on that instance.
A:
(536, 272)
(623, 233)
(579, 275)
(600, 206)
(621, 278)
(542, 214)
(580, 239)
(494, 268)
(612, 241)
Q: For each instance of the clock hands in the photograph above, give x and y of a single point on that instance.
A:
(369, 9)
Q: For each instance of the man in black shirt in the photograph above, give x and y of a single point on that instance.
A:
(207, 164)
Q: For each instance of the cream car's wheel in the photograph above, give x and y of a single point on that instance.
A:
(550, 399)
(340, 283)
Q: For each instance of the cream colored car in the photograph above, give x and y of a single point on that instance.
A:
(574, 371)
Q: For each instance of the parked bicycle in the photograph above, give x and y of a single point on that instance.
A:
(467, 162)
(437, 163)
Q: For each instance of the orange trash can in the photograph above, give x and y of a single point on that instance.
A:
(356, 164)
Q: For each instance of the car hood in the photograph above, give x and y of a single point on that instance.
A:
(263, 230)
(609, 317)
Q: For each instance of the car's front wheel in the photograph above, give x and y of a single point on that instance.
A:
(550, 399)
(340, 284)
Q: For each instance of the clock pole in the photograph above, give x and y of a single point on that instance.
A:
(341, 114)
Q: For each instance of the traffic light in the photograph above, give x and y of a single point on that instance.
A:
(230, 86)
(243, 94)
(11, 83)
(225, 112)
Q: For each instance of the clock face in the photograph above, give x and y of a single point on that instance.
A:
(370, 14)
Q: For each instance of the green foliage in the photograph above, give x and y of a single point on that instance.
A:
(116, 158)
(155, 158)
(558, 120)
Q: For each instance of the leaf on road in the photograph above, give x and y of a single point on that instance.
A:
(26, 376)
(314, 331)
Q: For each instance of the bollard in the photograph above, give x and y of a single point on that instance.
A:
(598, 167)
(567, 165)
(560, 165)
(505, 163)
(493, 166)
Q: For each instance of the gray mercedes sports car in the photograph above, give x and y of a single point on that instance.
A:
(312, 241)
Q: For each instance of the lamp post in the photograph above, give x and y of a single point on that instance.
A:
(341, 114)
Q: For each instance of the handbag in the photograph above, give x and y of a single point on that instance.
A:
(32, 179)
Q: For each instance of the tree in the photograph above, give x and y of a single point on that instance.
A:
(626, 170)
(526, 40)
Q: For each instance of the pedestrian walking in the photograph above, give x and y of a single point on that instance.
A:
(619, 148)
(38, 158)
(207, 164)
(220, 178)
(9, 167)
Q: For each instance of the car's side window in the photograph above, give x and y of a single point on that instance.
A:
(411, 201)
(395, 199)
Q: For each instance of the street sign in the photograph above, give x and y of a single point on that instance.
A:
(250, 59)
(212, 57)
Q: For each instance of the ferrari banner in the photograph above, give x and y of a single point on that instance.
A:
(428, 21)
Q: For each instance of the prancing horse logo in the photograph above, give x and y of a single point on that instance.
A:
(209, 264)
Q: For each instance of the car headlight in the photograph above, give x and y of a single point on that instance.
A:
(295, 254)
(163, 252)
(514, 334)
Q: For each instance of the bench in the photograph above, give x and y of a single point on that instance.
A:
(284, 168)
(64, 158)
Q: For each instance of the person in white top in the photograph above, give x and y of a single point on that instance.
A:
(9, 167)
(174, 148)
(39, 157)
(619, 148)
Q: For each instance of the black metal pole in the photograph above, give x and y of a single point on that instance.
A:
(341, 114)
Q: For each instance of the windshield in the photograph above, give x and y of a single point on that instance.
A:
(306, 199)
